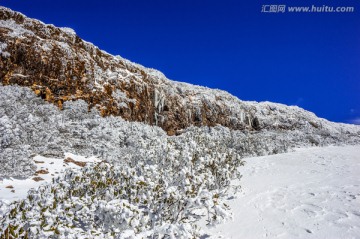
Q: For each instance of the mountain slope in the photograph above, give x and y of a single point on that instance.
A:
(84, 82)
(59, 66)
(54, 90)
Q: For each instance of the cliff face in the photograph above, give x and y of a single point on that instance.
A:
(59, 66)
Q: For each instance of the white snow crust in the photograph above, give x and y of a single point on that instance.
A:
(309, 193)
(55, 168)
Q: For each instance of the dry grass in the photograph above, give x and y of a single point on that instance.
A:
(42, 171)
(37, 179)
(78, 163)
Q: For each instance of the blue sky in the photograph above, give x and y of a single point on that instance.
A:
(307, 59)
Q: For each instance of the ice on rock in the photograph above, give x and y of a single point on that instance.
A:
(4, 53)
(68, 30)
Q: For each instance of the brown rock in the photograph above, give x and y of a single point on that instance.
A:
(37, 179)
(70, 69)
(42, 171)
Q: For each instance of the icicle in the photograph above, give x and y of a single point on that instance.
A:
(242, 116)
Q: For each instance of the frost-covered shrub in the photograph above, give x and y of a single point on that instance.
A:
(152, 184)
(27, 122)
(160, 197)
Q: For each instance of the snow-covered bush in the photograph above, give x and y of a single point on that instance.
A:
(160, 197)
(30, 126)
(150, 184)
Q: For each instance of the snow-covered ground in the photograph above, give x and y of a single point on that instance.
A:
(309, 193)
(12, 189)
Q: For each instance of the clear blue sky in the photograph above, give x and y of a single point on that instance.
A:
(306, 59)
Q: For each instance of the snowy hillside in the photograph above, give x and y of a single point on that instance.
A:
(85, 83)
(30, 126)
(162, 156)
(59, 67)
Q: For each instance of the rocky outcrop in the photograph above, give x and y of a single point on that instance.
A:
(59, 66)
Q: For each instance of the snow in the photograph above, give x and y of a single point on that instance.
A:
(68, 30)
(309, 193)
(54, 166)
(105, 69)
(121, 97)
(4, 53)
(17, 30)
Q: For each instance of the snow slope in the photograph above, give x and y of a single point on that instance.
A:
(13, 188)
(60, 67)
(309, 193)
